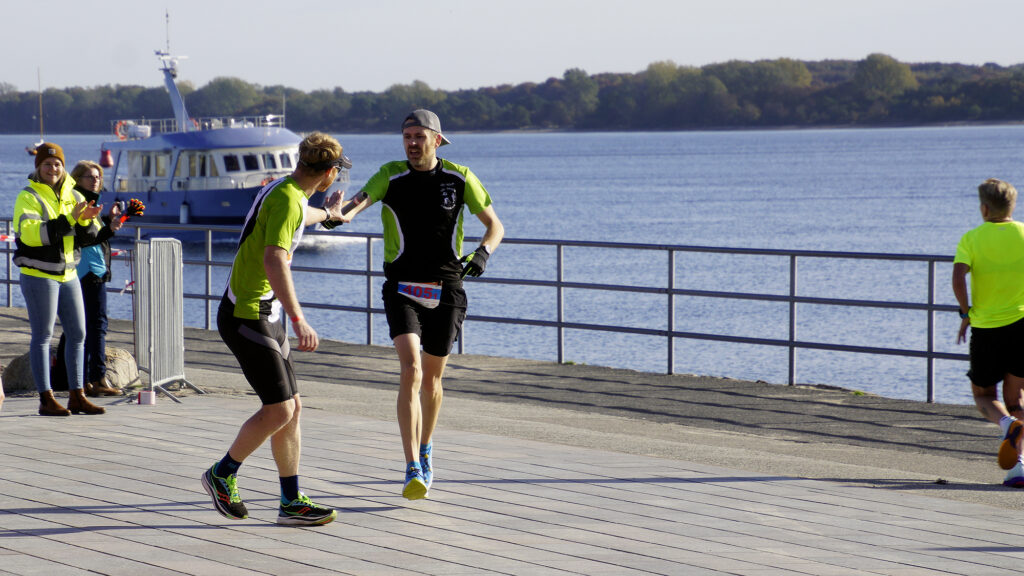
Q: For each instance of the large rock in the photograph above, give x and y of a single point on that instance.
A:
(122, 371)
(18, 376)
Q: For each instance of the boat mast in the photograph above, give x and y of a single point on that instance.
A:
(39, 80)
(170, 69)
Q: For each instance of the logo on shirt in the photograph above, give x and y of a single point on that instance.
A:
(448, 196)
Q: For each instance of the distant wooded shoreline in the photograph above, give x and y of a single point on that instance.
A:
(783, 93)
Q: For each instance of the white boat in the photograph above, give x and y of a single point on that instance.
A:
(197, 170)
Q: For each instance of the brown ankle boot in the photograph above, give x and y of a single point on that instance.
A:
(79, 404)
(48, 405)
(100, 388)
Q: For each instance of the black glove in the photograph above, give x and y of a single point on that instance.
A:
(476, 261)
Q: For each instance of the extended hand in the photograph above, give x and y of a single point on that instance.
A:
(115, 217)
(335, 217)
(86, 210)
(333, 204)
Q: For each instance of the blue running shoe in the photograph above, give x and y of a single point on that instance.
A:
(303, 512)
(415, 488)
(1008, 453)
(425, 461)
(1015, 477)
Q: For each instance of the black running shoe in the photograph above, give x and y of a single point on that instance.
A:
(224, 492)
(303, 512)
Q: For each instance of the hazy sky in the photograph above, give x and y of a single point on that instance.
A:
(452, 44)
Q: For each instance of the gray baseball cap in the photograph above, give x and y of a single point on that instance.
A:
(426, 119)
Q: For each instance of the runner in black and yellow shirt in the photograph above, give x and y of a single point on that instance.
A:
(422, 201)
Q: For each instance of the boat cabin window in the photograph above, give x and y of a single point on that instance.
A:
(163, 161)
(252, 162)
(231, 163)
(191, 165)
(286, 160)
(147, 166)
(269, 162)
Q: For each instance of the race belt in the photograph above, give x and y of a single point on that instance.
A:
(426, 294)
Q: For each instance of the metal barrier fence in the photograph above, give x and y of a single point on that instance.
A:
(158, 308)
(668, 290)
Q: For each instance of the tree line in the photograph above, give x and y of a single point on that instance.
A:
(877, 90)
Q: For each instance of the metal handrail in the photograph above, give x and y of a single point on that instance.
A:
(669, 290)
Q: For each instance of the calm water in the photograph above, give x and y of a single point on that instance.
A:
(900, 190)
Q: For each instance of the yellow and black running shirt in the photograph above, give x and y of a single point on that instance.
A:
(422, 217)
(275, 219)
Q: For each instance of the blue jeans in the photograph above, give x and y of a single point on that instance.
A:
(46, 300)
(94, 295)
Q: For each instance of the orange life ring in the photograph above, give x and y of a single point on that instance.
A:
(267, 180)
(120, 129)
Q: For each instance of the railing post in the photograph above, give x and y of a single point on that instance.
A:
(462, 338)
(671, 311)
(792, 319)
(10, 259)
(369, 291)
(560, 304)
(931, 331)
(209, 274)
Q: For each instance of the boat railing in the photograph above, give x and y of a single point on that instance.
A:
(916, 318)
(138, 128)
(217, 122)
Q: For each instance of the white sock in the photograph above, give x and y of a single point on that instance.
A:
(1005, 422)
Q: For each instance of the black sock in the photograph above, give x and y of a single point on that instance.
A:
(227, 466)
(289, 488)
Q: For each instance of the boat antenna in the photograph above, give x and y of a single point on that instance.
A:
(170, 70)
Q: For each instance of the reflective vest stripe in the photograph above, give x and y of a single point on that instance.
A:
(44, 266)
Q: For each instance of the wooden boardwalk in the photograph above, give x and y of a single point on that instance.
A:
(541, 469)
(120, 494)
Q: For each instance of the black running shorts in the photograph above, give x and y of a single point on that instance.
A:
(438, 328)
(262, 351)
(996, 352)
